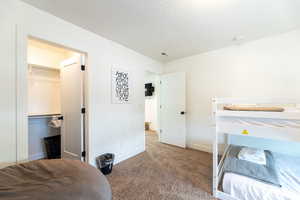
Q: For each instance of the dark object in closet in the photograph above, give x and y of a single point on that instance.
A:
(149, 89)
(53, 147)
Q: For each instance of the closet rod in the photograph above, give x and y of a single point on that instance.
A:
(43, 116)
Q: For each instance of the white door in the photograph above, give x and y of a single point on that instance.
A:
(172, 112)
(72, 134)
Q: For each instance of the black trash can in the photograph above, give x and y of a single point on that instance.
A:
(105, 163)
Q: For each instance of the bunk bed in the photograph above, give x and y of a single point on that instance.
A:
(275, 119)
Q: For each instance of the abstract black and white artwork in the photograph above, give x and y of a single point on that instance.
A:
(121, 91)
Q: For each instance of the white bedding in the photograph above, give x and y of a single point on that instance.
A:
(254, 155)
(245, 188)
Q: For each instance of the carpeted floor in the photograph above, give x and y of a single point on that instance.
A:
(163, 172)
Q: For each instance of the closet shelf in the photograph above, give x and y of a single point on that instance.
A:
(43, 67)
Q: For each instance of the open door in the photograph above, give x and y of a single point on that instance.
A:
(72, 106)
(172, 112)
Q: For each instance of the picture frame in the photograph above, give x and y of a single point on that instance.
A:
(121, 91)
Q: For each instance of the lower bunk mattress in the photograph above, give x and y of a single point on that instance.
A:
(246, 188)
(53, 180)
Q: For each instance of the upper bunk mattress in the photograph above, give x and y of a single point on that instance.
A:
(53, 180)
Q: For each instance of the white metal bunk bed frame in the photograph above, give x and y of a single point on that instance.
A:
(280, 133)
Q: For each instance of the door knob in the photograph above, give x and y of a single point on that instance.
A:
(182, 112)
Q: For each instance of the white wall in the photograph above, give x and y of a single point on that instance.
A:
(44, 77)
(269, 67)
(113, 128)
(7, 86)
(43, 91)
(151, 102)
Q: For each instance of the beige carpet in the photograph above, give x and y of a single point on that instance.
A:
(163, 172)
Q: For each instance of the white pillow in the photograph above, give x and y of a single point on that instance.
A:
(254, 155)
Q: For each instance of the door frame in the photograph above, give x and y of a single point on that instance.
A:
(21, 81)
(157, 92)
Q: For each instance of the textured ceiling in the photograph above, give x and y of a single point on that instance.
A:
(178, 27)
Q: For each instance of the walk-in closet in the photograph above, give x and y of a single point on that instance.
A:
(53, 95)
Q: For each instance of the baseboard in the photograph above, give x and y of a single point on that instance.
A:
(206, 147)
(130, 155)
(201, 147)
(37, 156)
(120, 158)
(3, 165)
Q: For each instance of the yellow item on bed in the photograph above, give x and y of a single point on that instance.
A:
(254, 108)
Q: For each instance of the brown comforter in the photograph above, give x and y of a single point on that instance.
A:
(53, 180)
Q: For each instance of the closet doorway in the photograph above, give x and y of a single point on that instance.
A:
(56, 101)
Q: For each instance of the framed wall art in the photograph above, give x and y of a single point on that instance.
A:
(121, 86)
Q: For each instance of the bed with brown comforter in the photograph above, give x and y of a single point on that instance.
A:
(53, 180)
